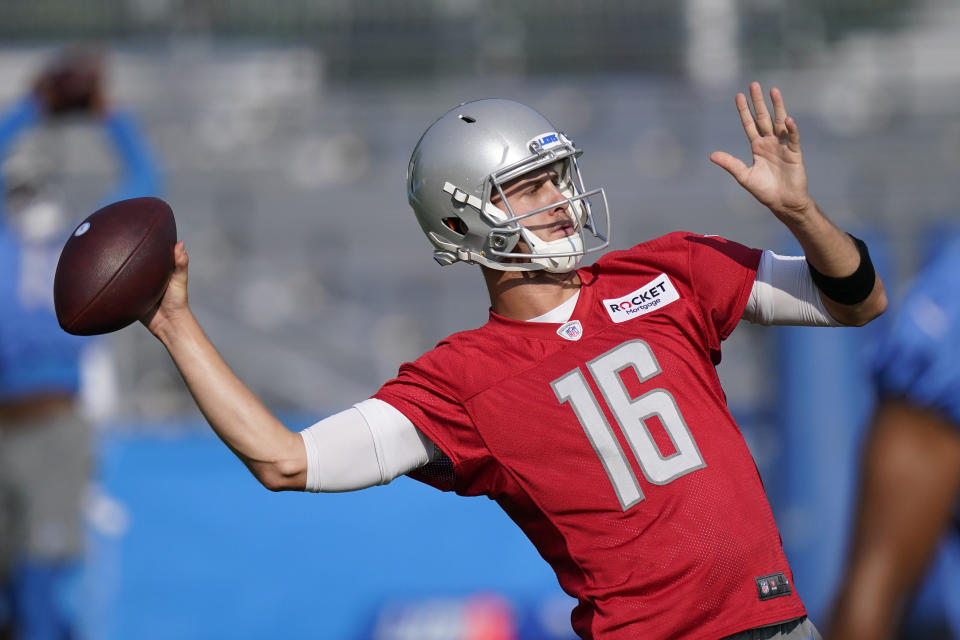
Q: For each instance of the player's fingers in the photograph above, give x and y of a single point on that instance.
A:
(733, 165)
(180, 262)
(793, 134)
(746, 118)
(779, 112)
(180, 257)
(764, 123)
(174, 296)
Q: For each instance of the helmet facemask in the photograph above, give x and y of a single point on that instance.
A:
(557, 256)
(562, 254)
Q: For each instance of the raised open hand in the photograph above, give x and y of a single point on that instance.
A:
(777, 178)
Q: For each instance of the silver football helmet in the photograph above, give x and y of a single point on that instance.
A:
(468, 155)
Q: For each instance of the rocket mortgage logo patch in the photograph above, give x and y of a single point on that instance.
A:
(654, 295)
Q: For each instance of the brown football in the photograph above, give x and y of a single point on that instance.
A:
(115, 266)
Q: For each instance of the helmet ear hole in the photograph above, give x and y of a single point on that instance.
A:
(455, 224)
(467, 119)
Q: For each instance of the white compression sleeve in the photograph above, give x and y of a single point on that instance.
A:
(784, 293)
(370, 443)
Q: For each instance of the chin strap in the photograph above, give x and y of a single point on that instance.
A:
(540, 250)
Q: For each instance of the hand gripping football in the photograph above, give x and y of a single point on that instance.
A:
(115, 266)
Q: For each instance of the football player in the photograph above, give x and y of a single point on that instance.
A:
(910, 475)
(588, 406)
(46, 442)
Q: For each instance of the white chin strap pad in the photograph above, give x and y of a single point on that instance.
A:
(542, 249)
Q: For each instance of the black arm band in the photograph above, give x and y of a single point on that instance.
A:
(852, 289)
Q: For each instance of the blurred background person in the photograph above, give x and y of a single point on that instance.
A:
(45, 441)
(909, 497)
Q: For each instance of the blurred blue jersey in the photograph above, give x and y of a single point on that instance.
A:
(36, 356)
(920, 357)
(919, 360)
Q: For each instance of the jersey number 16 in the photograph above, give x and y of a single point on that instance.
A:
(631, 414)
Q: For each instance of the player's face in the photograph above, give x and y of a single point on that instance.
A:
(533, 191)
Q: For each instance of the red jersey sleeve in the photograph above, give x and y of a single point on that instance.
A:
(721, 275)
(419, 393)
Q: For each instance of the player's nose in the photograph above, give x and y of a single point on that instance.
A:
(555, 195)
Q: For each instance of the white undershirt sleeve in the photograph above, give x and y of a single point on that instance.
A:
(784, 293)
(370, 443)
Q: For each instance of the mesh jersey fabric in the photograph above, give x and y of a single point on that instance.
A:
(615, 452)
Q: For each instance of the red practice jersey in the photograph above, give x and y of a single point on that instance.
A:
(607, 439)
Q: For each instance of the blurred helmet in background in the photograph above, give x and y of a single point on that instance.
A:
(467, 155)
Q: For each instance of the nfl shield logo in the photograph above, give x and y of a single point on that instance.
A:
(571, 330)
(772, 586)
